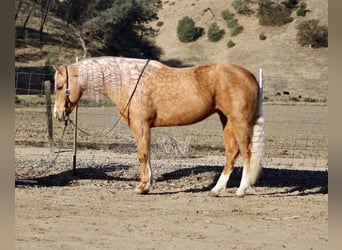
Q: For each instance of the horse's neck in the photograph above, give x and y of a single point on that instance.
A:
(101, 75)
(113, 77)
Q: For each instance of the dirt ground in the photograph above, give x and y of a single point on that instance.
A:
(96, 207)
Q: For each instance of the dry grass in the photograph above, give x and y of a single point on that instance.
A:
(289, 67)
(279, 55)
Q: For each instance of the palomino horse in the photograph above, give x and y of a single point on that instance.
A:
(149, 94)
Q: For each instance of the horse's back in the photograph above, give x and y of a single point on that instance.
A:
(188, 95)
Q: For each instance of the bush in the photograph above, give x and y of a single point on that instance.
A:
(227, 15)
(301, 10)
(17, 99)
(186, 30)
(290, 4)
(236, 30)
(230, 44)
(52, 58)
(271, 13)
(242, 7)
(312, 34)
(214, 32)
(309, 99)
(262, 36)
(232, 23)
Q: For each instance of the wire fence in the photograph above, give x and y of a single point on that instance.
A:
(28, 83)
(296, 132)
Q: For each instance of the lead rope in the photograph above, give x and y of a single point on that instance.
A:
(26, 181)
(67, 94)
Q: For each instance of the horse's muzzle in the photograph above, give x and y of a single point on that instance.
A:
(60, 116)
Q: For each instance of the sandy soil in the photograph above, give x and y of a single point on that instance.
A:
(97, 217)
(96, 207)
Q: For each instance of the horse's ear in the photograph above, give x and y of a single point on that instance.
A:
(73, 70)
(58, 69)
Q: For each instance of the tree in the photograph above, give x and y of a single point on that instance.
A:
(242, 6)
(311, 34)
(18, 4)
(45, 8)
(119, 27)
(30, 10)
(271, 13)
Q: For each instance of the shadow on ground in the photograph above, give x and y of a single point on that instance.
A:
(303, 182)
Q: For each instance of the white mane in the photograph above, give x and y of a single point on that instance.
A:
(108, 75)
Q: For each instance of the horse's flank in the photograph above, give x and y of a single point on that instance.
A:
(166, 96)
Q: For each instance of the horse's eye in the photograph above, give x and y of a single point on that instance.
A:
(59, 87)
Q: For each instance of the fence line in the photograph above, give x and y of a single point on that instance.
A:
(296, 135)
(278, 88)
(31, 83)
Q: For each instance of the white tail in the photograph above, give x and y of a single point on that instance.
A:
(257, 151)
(257, 139)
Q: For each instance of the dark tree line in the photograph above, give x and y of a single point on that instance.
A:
(111, 27)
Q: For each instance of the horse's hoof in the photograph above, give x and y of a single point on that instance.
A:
(240, 193)
(213, 193)
(141, 191)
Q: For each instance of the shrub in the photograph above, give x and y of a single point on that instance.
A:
(310, 99)
(312, 34)
(52, 58)
(160, 23)
(271, 13)
(294, 99)
(214, 32)
(301, 11)
(186, 30)
(232, 23)
(227, 15)
(262, 36)
(17, 99)
(236, 30)
(290, 4)
(242, 7)
(230, 44)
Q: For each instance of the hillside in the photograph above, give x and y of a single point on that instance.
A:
(287, 66)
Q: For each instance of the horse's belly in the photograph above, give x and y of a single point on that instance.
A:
(176, 116)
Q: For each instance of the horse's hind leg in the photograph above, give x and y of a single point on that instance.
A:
(142, 136)
(232, 151)
(243, 135)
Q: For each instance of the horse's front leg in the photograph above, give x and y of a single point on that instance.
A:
(142, 136)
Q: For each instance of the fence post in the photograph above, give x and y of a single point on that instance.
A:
(261, 76)
(47, 90)
(29, 87)
(75, 138)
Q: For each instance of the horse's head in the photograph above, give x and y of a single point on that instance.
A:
(67, 91)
